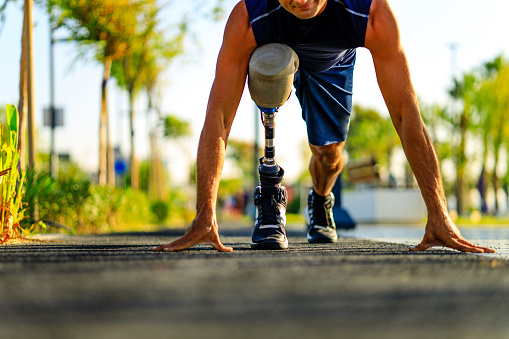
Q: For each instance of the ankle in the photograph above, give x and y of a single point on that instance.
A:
(318, 197)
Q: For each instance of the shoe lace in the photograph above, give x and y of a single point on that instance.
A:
(269, 202)
(320, 213)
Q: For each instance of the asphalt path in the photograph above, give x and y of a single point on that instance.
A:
(113, 286)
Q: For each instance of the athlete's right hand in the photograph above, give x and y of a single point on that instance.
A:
(203, 230)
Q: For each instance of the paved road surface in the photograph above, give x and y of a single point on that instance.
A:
(113, 286)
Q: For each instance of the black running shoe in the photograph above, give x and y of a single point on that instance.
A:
(321, 226)
(269, 231)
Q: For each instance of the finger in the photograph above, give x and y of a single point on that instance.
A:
(158, 248)
(220, 247)
(177, 245)
(425, 244)
(217, 244)
(457, 242)
(485, 249)
(463, 246)
(422, 246)
(417, 248)
(468, 249)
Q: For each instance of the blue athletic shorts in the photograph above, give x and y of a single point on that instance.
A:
(326, 101)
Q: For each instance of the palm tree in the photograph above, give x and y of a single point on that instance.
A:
(110, 27)
(464, 89)
(149, 56)
(493, 107)
(371, 135)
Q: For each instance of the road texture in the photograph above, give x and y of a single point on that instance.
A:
(113, 286)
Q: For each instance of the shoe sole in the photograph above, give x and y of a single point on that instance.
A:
(321, 240)
(269, 245)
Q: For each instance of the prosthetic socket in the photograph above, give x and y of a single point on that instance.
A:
(271, 71)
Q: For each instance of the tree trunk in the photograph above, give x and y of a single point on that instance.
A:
(156, 179)
(157, 187)
(460, 166)
(135, 178)
(152, 183)
(111, 155)
(494, 178)
(32, 150)
(23, 92)
(497, 144)
(103, 124)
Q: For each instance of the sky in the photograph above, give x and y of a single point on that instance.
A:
(428, 28)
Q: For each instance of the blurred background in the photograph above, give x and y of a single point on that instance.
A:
(121, 87)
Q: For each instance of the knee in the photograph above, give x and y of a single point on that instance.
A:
(329, 157)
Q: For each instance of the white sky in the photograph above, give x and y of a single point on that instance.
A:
(428, 27)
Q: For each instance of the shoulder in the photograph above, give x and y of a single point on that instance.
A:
(382, 32)
(239, 15)
(238, 39)
(238, 27)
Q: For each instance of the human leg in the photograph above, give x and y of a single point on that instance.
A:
(325, 165)
(326, 101)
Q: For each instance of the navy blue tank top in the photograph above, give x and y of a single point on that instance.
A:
(322, 42)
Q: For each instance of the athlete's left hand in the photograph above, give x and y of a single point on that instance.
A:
(442, 232)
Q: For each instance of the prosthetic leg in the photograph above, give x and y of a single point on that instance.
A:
(270, 172)
(271, 72)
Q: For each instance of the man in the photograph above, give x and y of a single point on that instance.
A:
(309, 26)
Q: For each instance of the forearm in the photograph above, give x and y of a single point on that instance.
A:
(231, 72)
(424, 162)
(209, 165)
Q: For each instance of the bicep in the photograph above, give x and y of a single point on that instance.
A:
(391, 65)
(231, 68)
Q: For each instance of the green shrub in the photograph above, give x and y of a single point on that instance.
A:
(73, 203)
(11, 184)
(160, 209)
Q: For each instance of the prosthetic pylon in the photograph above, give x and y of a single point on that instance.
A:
(270, 172)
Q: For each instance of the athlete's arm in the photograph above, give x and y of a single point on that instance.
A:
(231, 71)
(393, 75)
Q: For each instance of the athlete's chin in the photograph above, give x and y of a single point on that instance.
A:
(305, 14)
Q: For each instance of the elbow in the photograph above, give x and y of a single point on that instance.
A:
(217, 126)
(408, 123)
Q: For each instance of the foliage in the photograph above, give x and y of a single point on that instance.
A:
(110, 23)
(482, 117)
(11, 183)
(242, 152)
(109, 209)
(150, 53)
(74, 204)
(3, 5)
(175, 127)
(161, 210)
(436, 119)
(110, 27)
(371, 134)
(229, 187)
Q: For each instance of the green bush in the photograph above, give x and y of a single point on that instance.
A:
(73, 203)
(11, 183)
(160, 209)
